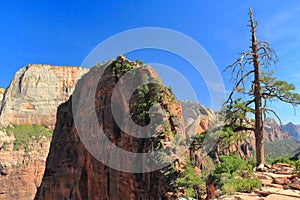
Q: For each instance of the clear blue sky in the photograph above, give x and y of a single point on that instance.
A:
(64, 32)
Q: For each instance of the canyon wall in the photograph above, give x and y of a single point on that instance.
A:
(32, 98)
(35, 93)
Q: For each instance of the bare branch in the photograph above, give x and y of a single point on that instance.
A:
(274, 113)
(237, 85)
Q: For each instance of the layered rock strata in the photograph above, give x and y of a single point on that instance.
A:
(35, 93)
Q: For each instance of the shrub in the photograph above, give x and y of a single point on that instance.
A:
(297, 166)
(190, 180)
(283, 160)
(230, 164)
(228, 175)
(24, 134)
(233, 185)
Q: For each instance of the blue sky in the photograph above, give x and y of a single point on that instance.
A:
(64, 32)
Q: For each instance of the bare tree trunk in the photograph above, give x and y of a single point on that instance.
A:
(259, 143)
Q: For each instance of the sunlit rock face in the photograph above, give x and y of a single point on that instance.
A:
(35, 93)
(2, 90)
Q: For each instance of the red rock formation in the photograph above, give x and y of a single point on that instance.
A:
(73, 173)
(292, 129)
(21, 172)
(273, 131)
(32, 98)
(35, 93)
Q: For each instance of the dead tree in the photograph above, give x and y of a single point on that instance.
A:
(253, 79)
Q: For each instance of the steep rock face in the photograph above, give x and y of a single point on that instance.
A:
(35, 93)
(273, 131)
(199, 119)
(292, 129)
(1, 95)
(21, 171)
(196, 117)
(73, 173)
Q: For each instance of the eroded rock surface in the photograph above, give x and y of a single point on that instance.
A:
(21, 171)
(1, 95)
(73, 173)
(35, 93)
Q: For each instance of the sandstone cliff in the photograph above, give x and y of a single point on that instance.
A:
(32, 98)
(196, 117)
(1, 95)
(21, 170)
(273, 131)
(35, 93)
(73, 173)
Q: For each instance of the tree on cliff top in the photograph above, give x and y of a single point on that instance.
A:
(253, 79)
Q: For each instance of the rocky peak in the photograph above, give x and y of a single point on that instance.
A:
(71, 170)
(273, 131)
(35, 93)
(292, 129)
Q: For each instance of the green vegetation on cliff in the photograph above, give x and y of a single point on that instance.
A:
(234, 175)
(192, 183)
(24, 134)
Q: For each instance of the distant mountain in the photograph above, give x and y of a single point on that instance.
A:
(273, 131)
(292, 129)
(280, 140)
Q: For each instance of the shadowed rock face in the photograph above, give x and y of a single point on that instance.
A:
(35, 93)
(73, 173)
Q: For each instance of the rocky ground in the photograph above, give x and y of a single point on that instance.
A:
(280, 183)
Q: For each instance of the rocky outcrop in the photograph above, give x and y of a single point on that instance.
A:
(21, 171)
(73, 173)
(1, 95)
(35, 93)
(197, 118)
